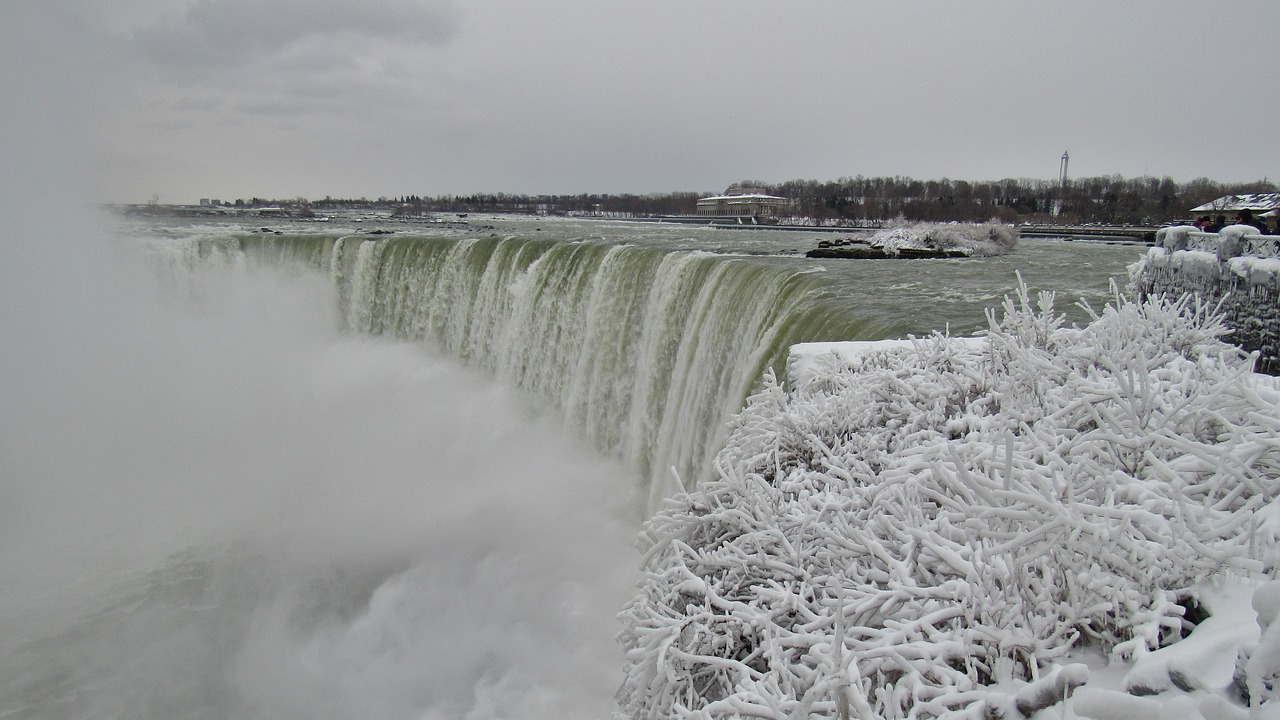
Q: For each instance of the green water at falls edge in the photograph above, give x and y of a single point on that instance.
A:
(645, 351)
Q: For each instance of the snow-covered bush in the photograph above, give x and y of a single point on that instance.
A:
(992, 238)
(921, 524)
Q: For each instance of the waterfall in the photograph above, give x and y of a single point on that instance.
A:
(644, 351)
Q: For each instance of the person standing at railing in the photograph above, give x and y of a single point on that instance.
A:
(1219, 222)
(1204, 223)
(1245, 217)
(1272, 216)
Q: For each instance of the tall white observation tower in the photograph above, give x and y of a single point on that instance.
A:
(1062, 185)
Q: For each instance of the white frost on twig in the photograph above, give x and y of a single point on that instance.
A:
(931, 520)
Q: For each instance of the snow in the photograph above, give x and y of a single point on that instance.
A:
(982, 239)
(1204, 268)
(1109, 705)
(744, 196)
(1230, 203)
(975, 527)
(1259, 271)
(1241, 246)
(1195, 262)
(808, 363)
(1206, 659)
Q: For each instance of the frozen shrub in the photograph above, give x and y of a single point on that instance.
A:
(923, 522)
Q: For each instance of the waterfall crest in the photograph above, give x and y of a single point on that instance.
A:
(646, 352)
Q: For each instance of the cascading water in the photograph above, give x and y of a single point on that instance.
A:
(644, 351)
(217, 505)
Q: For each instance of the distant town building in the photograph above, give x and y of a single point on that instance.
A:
(1257, 202)
(743, 204)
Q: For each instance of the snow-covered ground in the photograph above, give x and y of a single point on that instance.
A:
(980, 528)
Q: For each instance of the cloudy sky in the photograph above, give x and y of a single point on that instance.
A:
(279, 98)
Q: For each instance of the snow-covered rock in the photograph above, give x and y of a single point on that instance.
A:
(979, 239)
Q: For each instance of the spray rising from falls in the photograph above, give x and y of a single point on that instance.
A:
(644, 351)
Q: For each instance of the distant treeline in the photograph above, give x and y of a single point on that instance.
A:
(1109, 199)
(675, 203)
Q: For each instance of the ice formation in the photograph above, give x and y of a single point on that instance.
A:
(990, 238)
(1236, 267)
(928, 529)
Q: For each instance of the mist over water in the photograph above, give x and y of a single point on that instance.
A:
(215, 505)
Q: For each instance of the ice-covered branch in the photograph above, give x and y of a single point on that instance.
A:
(911, 525)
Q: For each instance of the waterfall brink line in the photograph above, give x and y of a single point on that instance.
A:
(646, 352)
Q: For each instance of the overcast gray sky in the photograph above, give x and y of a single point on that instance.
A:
(280, 98)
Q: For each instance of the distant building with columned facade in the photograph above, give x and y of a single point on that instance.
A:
(742, 203)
